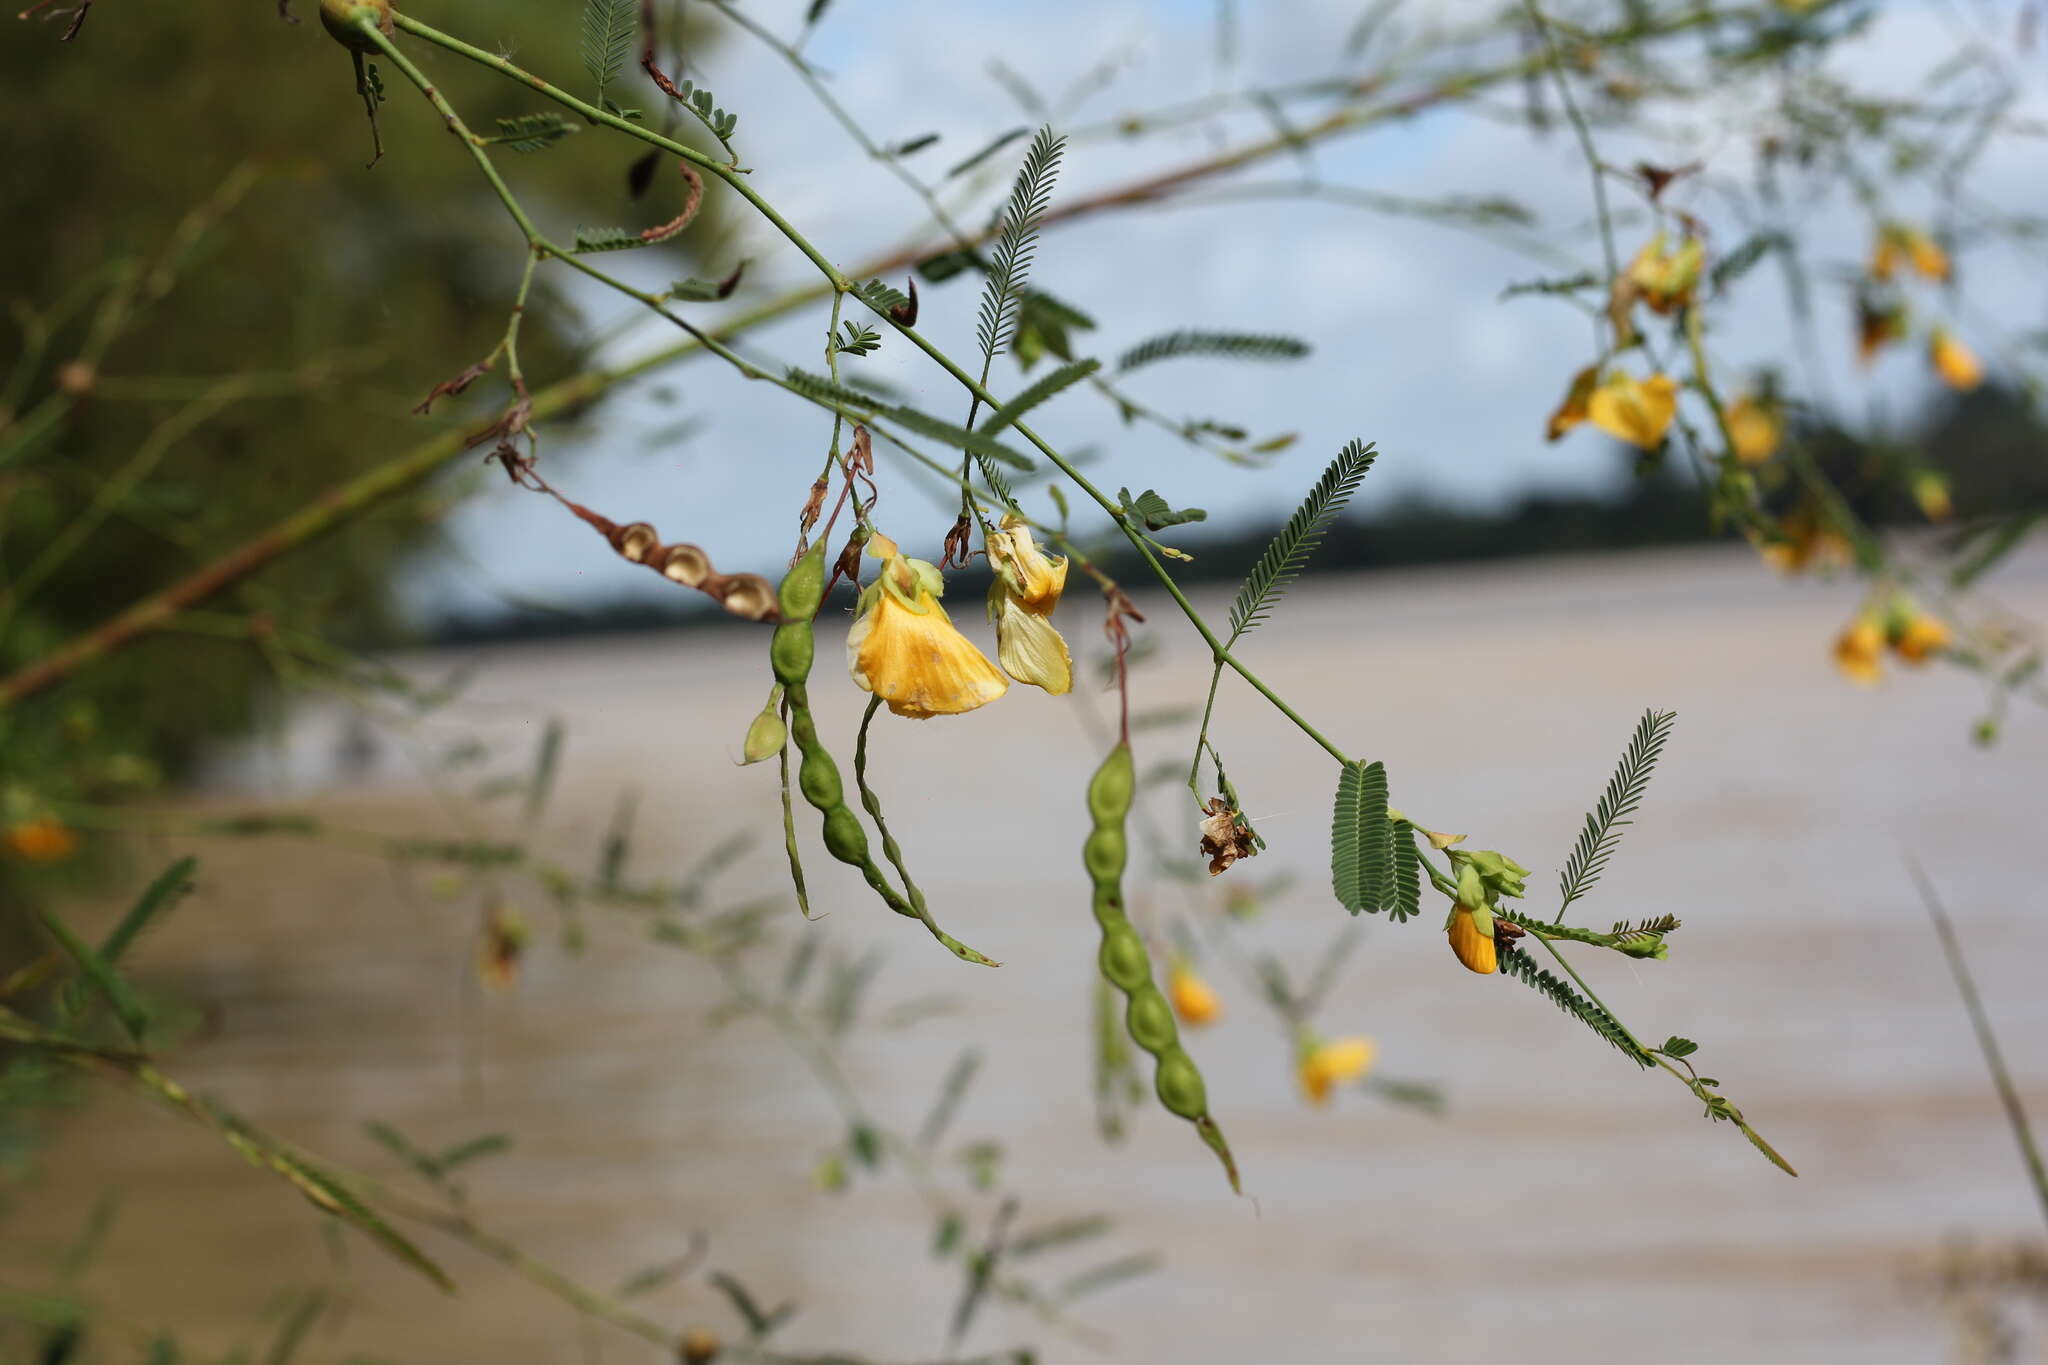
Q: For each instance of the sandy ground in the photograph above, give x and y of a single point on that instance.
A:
(1567, 1207)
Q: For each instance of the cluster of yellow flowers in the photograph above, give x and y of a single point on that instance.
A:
(45, 839)
(1881, 317)
(907, 651)
(1897, 622)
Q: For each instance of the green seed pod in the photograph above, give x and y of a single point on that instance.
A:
(343, 20)
(803, 587)
(1180, 1086)
(1128, 967)
(1150, 1020)
(844, 837)
(818, 780)
(768, 734)
(1124, 961)
(1105, 853)
(791, 651)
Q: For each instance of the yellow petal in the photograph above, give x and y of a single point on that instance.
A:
(1475, 949)
(1636, 411)
(1956, 363)
(1859, 652)
(1927, 256)
(1034, 578)
(917, 662)
(1193, 1000)
(1030, 648)
(1572, 410)
(1333, 1064)
(1754, 430)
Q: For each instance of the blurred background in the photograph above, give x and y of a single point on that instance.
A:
(698, 1090)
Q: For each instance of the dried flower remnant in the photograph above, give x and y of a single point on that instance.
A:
(1027, 587)
(502, 947)
(43, 840)
(1323, 1066)
(1226, 835)
(1665, 279)
(1638, 411)
(1956, 363)
(1879, 323)
(905, 649)
(1194, 1000)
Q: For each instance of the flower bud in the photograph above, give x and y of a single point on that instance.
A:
(343, 20)
(768, 733)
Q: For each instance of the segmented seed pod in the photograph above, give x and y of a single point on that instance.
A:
(1128, 967)
(686, 564)
(636, 542)
(790, 653)
(749, 595)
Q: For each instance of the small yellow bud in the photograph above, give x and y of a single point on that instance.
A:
(1754, 429)
(1859, 652)
(1324, 1066)
(43, 840)
(1956, 363)
(1193, 1000)
(1920, 638)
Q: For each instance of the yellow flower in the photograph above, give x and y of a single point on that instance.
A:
(1754, 427)
(1665, 279)
(1897, 241)
(1884, 256)
(1918, 636)
(904, 648)
(1193, 999)
(1325, 1066)
(1471, 923)
(42, 840)
(1806, 539)
(1859, 652)
(1632, 410)
(1956, 363)
(1572, 410)
(1021, 600)
(1930, 491)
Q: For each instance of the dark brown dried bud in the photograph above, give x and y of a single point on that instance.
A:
(636, 542)
(906, 312)
(687, 565)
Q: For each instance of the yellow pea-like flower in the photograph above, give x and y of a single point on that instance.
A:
(1475, 948)
(905, 649)
(1325, 1066)
(1859, 652)
(1638, 411)
(1027, 587)
(1755, 428)
(1956, 363)
(42, 840)
(1665, 279)
(1193, 999)
(1920, 638)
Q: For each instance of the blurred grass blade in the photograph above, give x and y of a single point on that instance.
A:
(100, 974)
(950, 1094)
(172, 885)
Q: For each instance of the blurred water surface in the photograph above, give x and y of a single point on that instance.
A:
(1566, 1208)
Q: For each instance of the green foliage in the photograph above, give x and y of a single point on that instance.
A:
(1154, 512)
(595, 239)
(989, 149)
(1041, 389)
(1029, 197)
(1406, 901)
(1219, 345)
(1288, 555)
(608, 30)
(1604, 824)
(1362, 866)
(858, 339)
(112, 987)
(532, 132)
(1519, 965)
(172, 885)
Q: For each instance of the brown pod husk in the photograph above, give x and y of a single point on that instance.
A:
(751, 596)
(687, 565)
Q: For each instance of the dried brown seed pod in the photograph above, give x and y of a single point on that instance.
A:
(687, 565)
(636, 542)
(751, 596)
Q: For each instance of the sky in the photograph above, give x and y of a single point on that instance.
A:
(1413, 346)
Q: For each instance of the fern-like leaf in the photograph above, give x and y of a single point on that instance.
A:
(1285, 558)
(1407, 898)
(1605, 822)
(589, 239)
(608, 29)
(1046, 386)
(1018, 241)
(1361, 839)
(532, 132)
(1519, 965)
(1225, 345)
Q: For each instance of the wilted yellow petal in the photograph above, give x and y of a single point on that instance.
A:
(1475, 949)
(914, 659)
(1632, 410)
(1926, 254)
(1754, 429)
(1030, 648)
(1572, 410)
(1859, 652)
(1665, 279)
(1033, 578)
(1956, 363)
